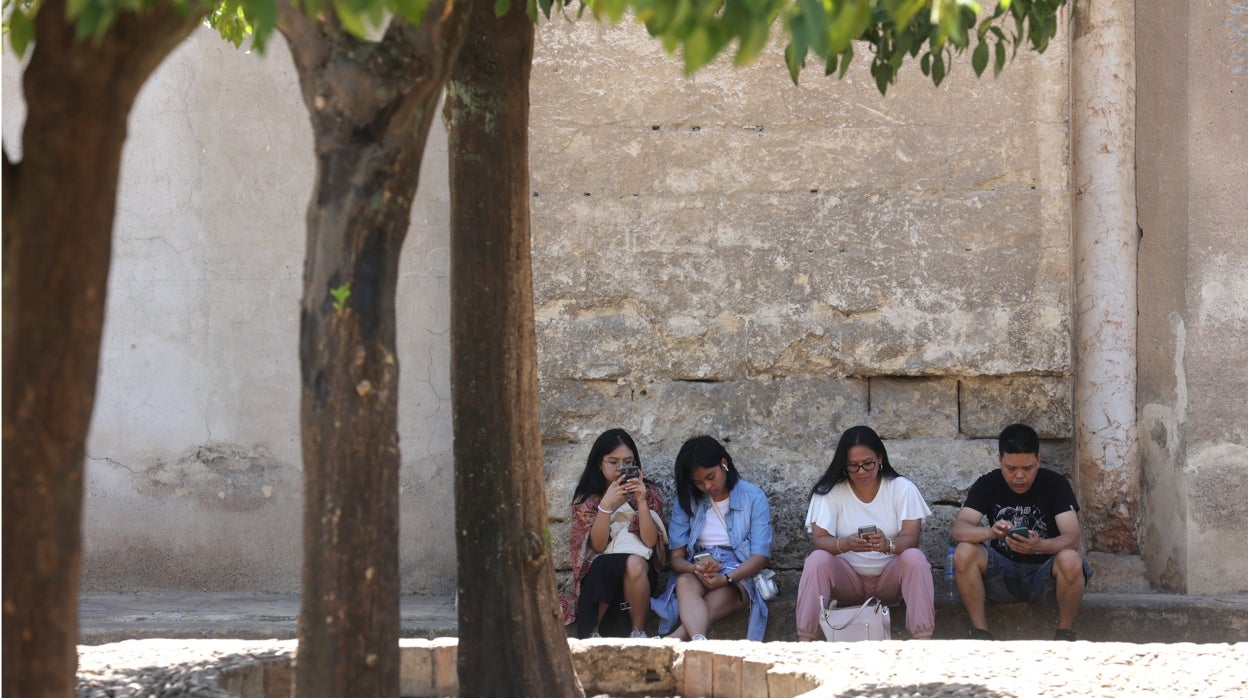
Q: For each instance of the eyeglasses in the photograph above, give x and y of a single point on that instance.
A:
(855, 467)
(616, 463)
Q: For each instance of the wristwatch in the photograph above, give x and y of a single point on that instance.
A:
(892, 547)
(729, 580)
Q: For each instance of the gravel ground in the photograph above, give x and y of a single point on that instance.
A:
(962, 668)
(168, 668)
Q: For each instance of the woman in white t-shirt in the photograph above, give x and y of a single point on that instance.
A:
(861, 489)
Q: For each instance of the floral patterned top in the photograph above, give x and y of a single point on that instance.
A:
(583, 515)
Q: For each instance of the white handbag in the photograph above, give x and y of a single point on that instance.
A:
(870, 621)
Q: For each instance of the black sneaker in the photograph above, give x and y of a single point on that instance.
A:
(1065, 635)
(979, 634)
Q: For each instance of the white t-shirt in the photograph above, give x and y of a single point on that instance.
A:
(713, 531)
(840, 513)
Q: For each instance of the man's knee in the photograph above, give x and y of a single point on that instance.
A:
(1068, 567)
(969, 557)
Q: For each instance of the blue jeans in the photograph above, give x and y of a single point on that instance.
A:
(1007, 581)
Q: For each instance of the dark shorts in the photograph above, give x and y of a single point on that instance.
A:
(1007, 581)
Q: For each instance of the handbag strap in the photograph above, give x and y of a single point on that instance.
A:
(720, 514)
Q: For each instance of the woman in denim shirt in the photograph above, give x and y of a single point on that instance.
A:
(728, 519)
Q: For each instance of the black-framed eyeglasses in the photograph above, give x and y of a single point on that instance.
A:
(855, 467)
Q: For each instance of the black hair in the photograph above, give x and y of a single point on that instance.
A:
(592, 481)
(853, 436)
(1018, 438)
(698, 453)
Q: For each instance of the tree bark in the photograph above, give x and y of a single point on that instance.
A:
(371, 105)
(58, 222)
(511, 641)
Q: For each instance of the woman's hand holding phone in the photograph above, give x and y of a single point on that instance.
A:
(868, 539)
(706, 567)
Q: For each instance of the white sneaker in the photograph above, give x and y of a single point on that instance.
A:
(696, 638)
(637, 635)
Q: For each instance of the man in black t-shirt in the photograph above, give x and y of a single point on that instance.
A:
(1029, 551)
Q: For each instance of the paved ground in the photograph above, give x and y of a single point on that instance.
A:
(213, 632)
(950, 668)
(108, 617)
(1140, 618)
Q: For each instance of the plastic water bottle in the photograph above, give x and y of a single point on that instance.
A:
(951, 584)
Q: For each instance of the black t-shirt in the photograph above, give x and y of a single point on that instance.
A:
(1037, 508)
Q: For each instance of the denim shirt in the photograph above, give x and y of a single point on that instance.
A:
(749, 532)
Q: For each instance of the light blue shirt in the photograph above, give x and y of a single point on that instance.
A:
(749, 532)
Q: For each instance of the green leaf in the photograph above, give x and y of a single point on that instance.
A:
(999, 62)
(938, 67)
(979, 59)
(414, 10)
(846, 57)
(340, 294)
(752, 43)
(351, 21)
(500, 8)
(699, 48)
(883, 74)
(794, 60)
(814, 16)
(21, 31)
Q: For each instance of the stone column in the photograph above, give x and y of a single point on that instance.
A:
(1105, 244)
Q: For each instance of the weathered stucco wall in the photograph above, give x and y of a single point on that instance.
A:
(770, 264)
(724, 254)
(1193, 169)
(193, 474)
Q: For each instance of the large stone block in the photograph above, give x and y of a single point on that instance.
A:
(914, 408)
(989, 403)
(943, 470)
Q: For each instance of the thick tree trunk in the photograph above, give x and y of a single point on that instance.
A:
(371, 106)
(58, 223)
(511, 641)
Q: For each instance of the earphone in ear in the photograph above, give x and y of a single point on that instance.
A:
(724, 466)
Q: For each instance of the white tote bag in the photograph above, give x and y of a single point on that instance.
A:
(870, 621)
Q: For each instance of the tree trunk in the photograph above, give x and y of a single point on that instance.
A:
(511, 641)
(58, 223)
(371, 106)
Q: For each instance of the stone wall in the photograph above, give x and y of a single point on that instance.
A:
(1193, 165)
(771, 264)
(194, 472)
(724, 253)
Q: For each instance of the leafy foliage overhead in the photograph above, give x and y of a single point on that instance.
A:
(825, 31)
(930, 30)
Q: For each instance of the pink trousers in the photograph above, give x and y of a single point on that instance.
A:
(908, 577)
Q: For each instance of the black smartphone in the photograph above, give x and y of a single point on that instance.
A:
(630, 472)
(1020, 532)
(864, 531)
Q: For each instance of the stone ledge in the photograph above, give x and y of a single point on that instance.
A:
(718, 669)
(1104, 617)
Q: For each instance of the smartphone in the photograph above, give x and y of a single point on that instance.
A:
(864, 531)
(702, 559)
(1020, 532)
(630, 472)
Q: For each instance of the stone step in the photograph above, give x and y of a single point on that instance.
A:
(1104, 617)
